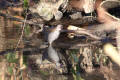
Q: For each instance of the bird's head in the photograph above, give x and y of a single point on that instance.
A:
(59, 27)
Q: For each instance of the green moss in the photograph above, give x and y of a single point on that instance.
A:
(10, 70)
(25, 4)
(44, 73)
(27, 30)
(11, 58)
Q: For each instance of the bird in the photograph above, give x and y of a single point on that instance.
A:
(53, 34)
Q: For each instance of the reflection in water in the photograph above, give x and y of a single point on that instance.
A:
(53, 55)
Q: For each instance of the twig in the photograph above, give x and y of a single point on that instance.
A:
(20, 20)
(23, 27)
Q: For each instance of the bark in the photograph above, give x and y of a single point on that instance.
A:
(2, 34)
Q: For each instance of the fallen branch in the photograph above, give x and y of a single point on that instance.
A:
(66, 22)
(54, 22)
(20, 20)
(22, 33)
(111, 51)
(64, 45)
(78, 31)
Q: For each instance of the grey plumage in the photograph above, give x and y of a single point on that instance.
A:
(53, 56)
(54, 34)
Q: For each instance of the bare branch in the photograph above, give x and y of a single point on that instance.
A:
(66, 22)
(20, 20)
(23, 27)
